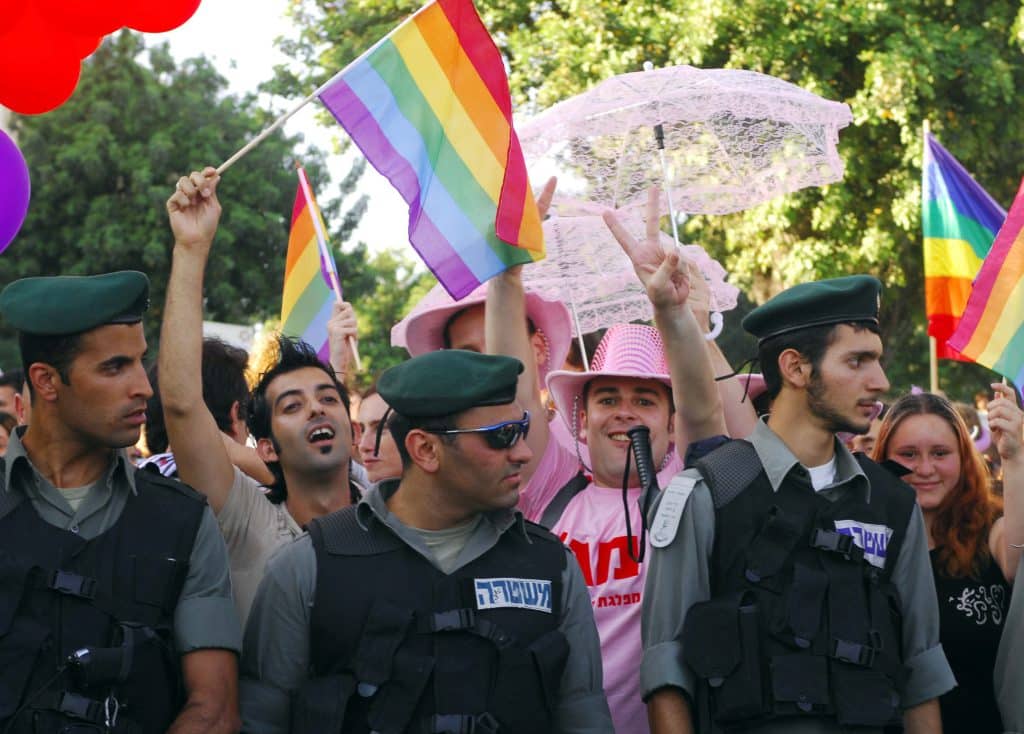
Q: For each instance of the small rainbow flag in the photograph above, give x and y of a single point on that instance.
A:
(959, 220)
(429, 107)
(992, 329)
(309, 274)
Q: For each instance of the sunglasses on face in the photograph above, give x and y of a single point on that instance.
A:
(503, 435)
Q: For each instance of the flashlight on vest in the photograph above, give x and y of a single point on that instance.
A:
(640, 447)
(100, 665)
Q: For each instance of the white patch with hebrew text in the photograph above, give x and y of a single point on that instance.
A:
(506, 593)
(873, 539)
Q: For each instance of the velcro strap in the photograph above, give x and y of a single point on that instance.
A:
(833, 542)
(462, 724)
(465, 620)
(70, 583)
(74, 705)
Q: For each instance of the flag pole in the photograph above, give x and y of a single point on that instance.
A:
(319, 90)
(933, 345)
(326, 256)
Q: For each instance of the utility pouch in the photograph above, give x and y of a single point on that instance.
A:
(721, 643)
(800, 684)
(318, 707)
(527, 682)
(393, 706)
(864, 697)
(158, 581)
(22, 636)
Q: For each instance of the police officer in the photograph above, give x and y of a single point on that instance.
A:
(115, 602)
(431, 606)
(794, 592)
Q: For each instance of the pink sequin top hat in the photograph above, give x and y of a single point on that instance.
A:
(627, 350)
(422, 330)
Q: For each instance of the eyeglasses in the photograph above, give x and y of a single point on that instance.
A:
(499, 436)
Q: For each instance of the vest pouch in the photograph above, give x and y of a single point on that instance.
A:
(800, 684)
(318, 707)
(531, 675)
(721, 643)
(864, 697)
(21, 637)
(157, 580)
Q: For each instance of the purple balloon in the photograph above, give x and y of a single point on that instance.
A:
(15, 189)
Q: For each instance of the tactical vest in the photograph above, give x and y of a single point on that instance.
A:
(803, 618)
(86, 626)
(398, 646)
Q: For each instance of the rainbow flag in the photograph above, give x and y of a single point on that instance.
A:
(992, 329)
(309, 274)
(429, 107)
(960, 220)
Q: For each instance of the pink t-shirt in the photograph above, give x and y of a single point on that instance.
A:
(593, 526)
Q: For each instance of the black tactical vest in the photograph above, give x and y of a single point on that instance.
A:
(86, 627)
(803, 619)
(397, 645)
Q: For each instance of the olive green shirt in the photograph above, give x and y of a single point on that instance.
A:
(276, 661)
(678, 578)
(205, 614)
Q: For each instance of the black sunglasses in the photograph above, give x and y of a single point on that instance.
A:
(503, 435)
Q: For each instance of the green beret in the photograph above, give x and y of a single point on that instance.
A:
(65, 304)
(823, 302)
(449, 381)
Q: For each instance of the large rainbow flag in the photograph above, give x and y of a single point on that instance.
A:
(992, 329)
(429, 107)
(309, 274)
(960, 220)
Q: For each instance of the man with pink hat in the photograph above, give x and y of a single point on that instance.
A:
(639, 376)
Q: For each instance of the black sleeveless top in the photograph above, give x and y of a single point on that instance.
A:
(972, 612)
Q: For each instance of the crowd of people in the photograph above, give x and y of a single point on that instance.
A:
(489, 539)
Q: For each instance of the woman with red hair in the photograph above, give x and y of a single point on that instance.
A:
(970, 537)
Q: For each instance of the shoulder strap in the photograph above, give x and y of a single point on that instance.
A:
(553, 512)
(340, 534)
(728, 470)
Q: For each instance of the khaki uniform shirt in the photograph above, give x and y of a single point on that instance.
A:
(678, 578)
(205, 615)
(276, 659)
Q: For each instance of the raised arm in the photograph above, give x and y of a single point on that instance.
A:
(506, 333)
(342, 330)
(199, 451)
(666, 278)
(1006, 421)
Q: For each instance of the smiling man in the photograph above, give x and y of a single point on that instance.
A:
(298, 413)
(101, 562)
(793, 587)
(431, 606)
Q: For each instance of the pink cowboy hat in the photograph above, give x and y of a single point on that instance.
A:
(422, 330)
(626, 350)
(629, 351)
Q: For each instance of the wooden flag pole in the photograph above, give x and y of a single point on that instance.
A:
(933, 347)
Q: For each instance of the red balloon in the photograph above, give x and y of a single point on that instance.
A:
(10, 13)
(87, 17)
(160, 17)
(39, 65)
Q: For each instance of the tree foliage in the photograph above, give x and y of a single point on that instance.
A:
(895, 62)
(104, 164)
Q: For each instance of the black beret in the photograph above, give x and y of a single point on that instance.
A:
(68, 304)
(822, 302)
(449, 381)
